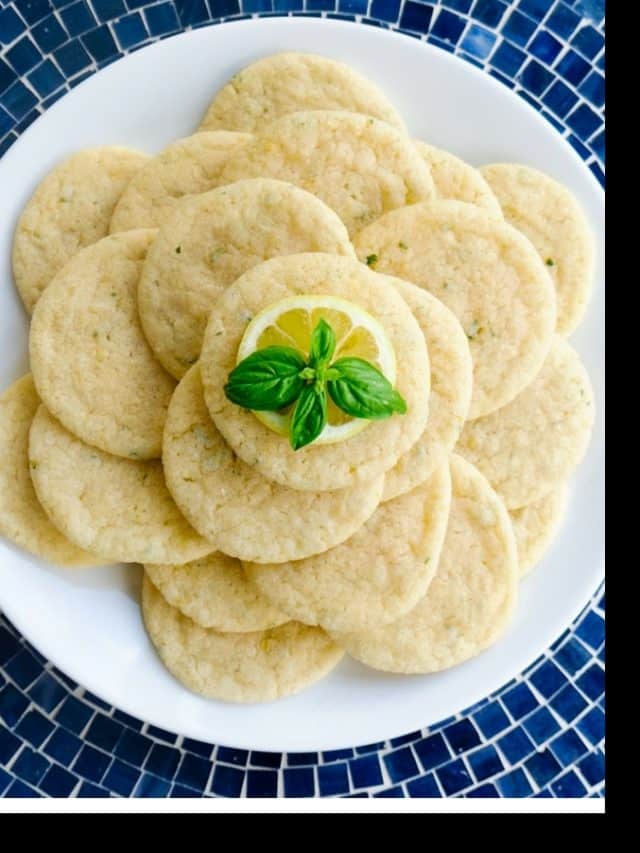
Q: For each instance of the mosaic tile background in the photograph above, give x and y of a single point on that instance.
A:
(541, 735)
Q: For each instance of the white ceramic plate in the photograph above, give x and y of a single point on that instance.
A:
(88, 623)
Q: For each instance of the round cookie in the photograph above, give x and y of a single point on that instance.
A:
(549, 215)
(254, 667)
(215, 489)
(215, 593)
(188, 166)
(535, 526)
(22, 519)
(289, 82)
(358, 459)
(209, 241)
(456, 180)
(374, 577)
(361, 167)
(488, 274)
(91, 363)
(471, 598)
(113, 507)
(531, 446)
(451, 382)
(70, 209)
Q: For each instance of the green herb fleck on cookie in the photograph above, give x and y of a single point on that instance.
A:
(402, 245)
(178, 250)
(550, 262)
(371, 260)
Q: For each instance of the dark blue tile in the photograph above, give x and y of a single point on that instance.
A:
(30, 766)
(62, 746)
(514, 784)
(49, 34)
(448, 26)
(7, 77)
(223, 8)
(47, 692)
(541, 725)
(454, 777)
(489, 12)
(287, 5)
(107, 10)
(91, 764)
(104, 732)
(519, 700)
(432, 751)
(183, 792)
(133, 747)
(163, 761)
(34, 727)
(19, 789)
(592, 767)
(299, 782)
(265, 759)
(591, 629)
(333, 779)
(363, 750)
(478, 41)
(161, 734)
(515, 745)
(535, 8)
(547, 679)
(161, 19)
(356, 7)
(23, 55)
(508, 58)
(568, 747)
(130, 30)
(483, 792)
(6, 122)
(92, 791)
(239, 756)
(121, 778)
(401, 764)
(262, 783)
(568, 703)
(535, 77)
(194, 772)
(409, 738)
(9, 645)
(462, 736)
(563, 20)
(543, 766)
(416, 16)
(100, 43)
(58, 782)
(458, 5)
(151, 786)
(545, 47)
(491, 719)
(13, 703)
(71, 58)
(591, 682)
(595, 169)
(24, 668)
(73, 714)
(424, 786)
(390, 793)
(518, 28)
(593, 89)
(573, 68)
(588, 41)
(366, 771)
(568, 786)
(572, 656)
(197, 746)
(191, 11)
(592, 726)
(7, 142)
(45, 79)
(485, 762)
(593, 9)
(320, 5)
(128, 720)
(24, 123)
(5, 781)
(78, 18)
(582, 150)
(227, 781)
(11, 25)
(265, 6)
(33, 10)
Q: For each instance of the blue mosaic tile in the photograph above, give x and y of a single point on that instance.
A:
(522, 42)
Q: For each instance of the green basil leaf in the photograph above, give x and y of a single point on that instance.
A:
(323, 344)
(362, 391)
(268, 379)
(309, 416)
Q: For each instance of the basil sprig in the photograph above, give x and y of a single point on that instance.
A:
(275, 377)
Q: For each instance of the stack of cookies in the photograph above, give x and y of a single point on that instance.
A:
(403, 542)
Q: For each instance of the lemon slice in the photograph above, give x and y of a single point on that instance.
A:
(291, 321)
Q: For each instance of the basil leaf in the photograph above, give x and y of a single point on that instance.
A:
(362, 391)
(323, 344)
(268, 379)
(309, 416)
